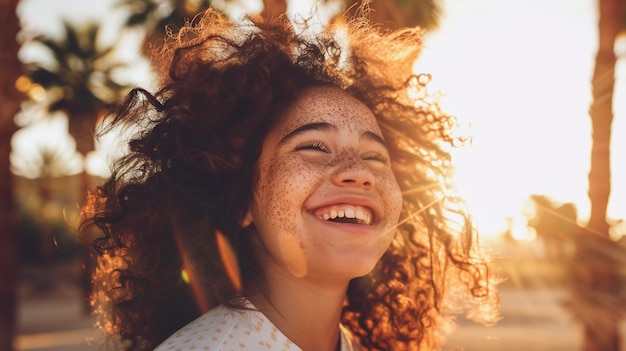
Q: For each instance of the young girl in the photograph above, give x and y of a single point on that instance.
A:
(284, 191)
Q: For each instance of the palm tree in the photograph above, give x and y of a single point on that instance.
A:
(155, 16)
(158, 16)
(555, 224)
(391, 14)
(9, 105)
(79, 81)
(273, 8)
(50, 160)
(596, 300)
(403, 13)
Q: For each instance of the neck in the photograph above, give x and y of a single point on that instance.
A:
(306, 312)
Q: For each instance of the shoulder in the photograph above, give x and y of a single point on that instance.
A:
(212, 329)
(347, 340)
(223, 329)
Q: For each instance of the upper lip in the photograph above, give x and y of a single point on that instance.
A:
(351, 199)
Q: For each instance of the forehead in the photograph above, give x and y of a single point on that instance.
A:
(327, 104)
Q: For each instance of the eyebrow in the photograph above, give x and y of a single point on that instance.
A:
(324, 126)
(373, 137)
(321, 126)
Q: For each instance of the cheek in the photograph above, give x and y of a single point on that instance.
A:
(392, 195)
(283, 187)
(290, 175)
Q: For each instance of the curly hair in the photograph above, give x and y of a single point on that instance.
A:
(189, 174)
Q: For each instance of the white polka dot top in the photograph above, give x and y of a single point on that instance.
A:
(227, 329)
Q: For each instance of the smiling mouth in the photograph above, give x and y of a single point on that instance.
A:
(346, 214)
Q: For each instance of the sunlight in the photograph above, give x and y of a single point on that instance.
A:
(520, 230)
(45, 149)
(520, 78)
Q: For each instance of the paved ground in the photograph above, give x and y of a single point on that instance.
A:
(51, 319)
(50, 311)
(532, 320)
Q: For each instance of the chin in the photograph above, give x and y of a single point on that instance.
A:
(357, 269)
(365, 271)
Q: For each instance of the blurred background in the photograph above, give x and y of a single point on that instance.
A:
(540, 85)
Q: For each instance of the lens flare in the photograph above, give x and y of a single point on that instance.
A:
(229, 260)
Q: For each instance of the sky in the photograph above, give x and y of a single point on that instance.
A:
(515, 72)
(518, 72)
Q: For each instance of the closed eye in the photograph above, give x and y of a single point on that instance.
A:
(375, 156)
(313, 145)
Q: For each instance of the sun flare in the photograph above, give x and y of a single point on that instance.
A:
(520, 79)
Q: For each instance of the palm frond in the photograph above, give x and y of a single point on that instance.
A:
(79, 74)
(402, 13)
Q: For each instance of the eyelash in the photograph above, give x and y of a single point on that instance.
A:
(316, 145)
(313, 145)
(376, 157)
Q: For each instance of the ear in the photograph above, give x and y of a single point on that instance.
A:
(247, 219)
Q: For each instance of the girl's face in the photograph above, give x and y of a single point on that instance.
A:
(326, 200)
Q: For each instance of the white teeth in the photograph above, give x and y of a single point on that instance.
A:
(364, 217)
(350, 213)
(360, 215)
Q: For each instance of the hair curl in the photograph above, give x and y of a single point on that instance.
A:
(191, 165)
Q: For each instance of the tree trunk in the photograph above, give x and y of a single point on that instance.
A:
(394, 14)
(599, 275)
(45, 231)
(81, 127)
(272, 9)
(9, 105)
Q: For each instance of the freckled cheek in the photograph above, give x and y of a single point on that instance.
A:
(392, 196)
(283, 189)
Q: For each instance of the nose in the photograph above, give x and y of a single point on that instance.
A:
(354, 174)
